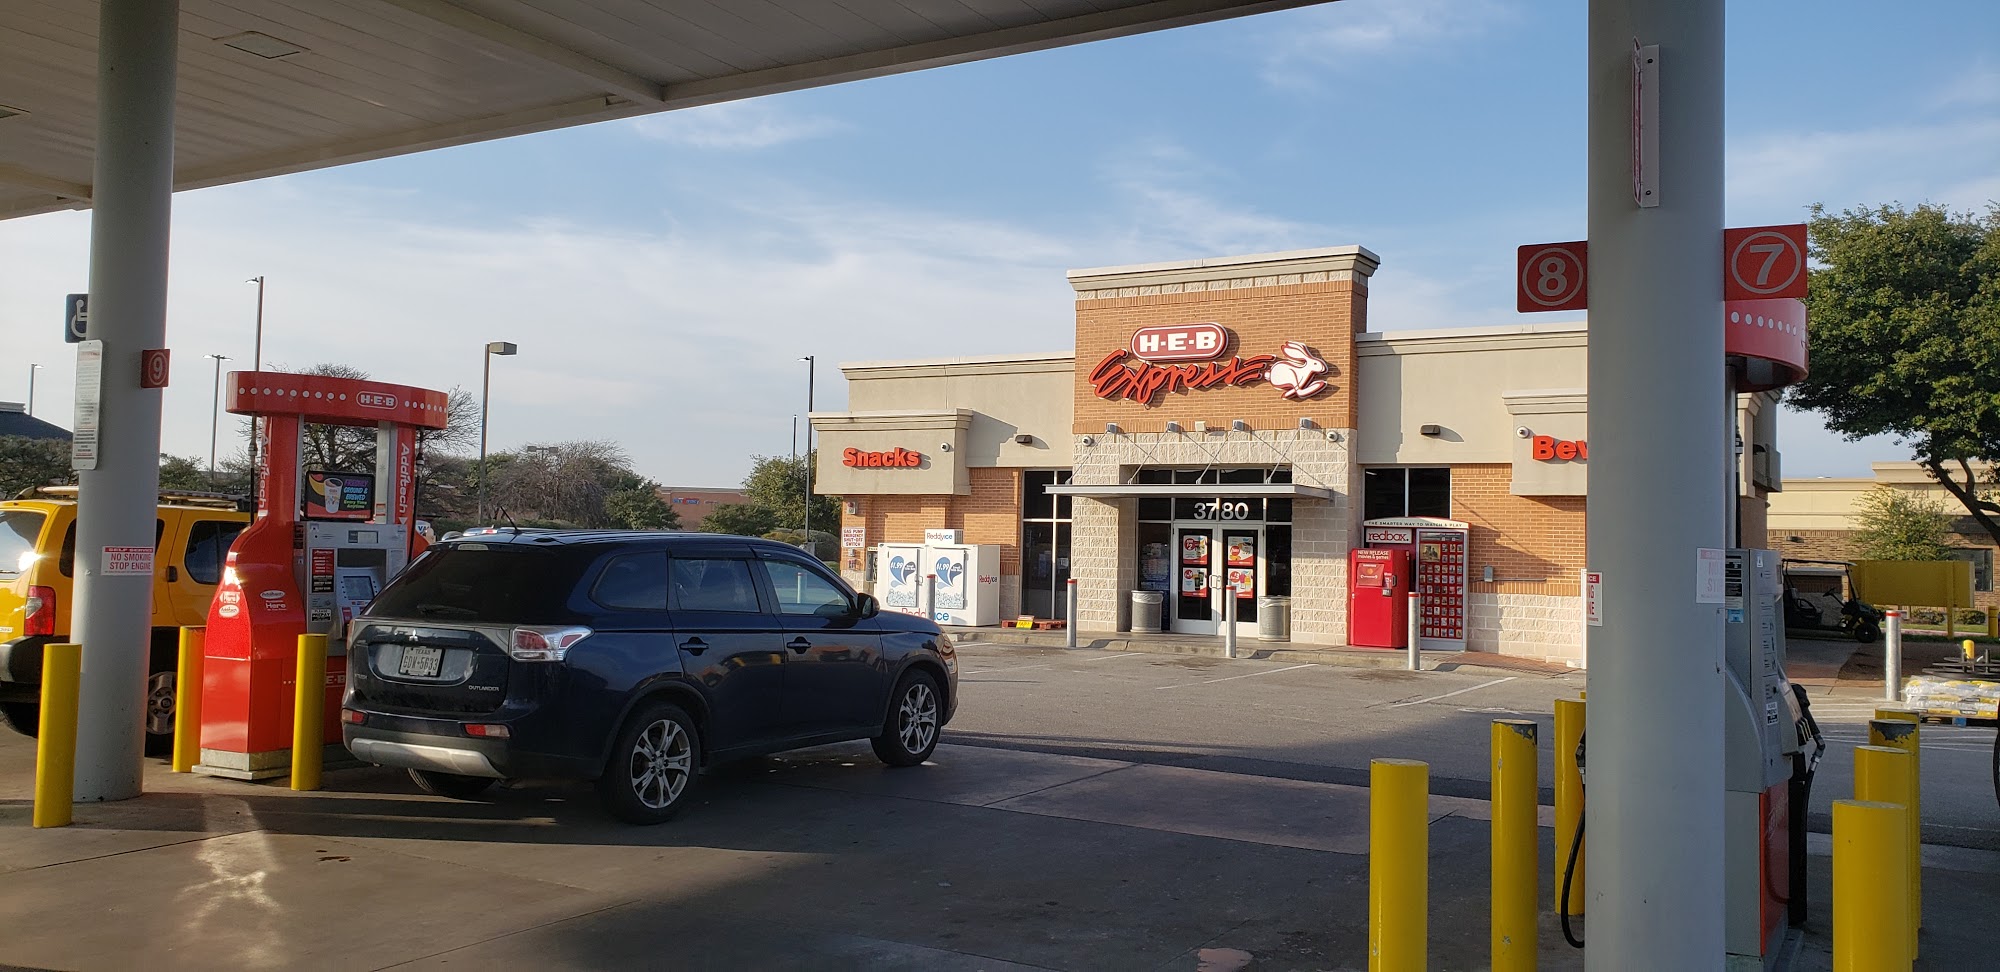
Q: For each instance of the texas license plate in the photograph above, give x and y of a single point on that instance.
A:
(420, 662)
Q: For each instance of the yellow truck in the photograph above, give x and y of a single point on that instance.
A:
(37, 587)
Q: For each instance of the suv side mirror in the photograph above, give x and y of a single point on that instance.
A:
(867, 606)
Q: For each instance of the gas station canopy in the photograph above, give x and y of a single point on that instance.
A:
(268, 87)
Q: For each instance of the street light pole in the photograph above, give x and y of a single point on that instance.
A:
(811, 371)
(485, 392)
(31, 390)
(256, 364)
(215, 414)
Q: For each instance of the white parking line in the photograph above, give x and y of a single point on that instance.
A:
(1434, 698)
(983, 671)
(1122, 654)
(1231, 678)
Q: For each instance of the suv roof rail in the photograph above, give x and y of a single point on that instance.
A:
(188, 497)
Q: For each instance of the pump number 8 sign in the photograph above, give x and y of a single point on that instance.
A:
(1551, 277)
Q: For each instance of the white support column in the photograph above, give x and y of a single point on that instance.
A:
(1656, 484)
(129, 219)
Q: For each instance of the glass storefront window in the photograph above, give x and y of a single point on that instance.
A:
(1405, 492)
(1045, 544)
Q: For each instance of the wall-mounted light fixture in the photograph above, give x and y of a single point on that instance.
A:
(1239, 425)
(1431, 430)
(1307, 424)
(1487, 574)
(1201, 426)
(942, 447)
(1173, 426)
(1111, 428)
(1088, 442)
(1024, 439)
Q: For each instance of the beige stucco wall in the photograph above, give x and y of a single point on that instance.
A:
(1830, 503)
(1006, 395)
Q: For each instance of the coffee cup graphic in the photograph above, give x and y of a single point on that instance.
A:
(335, 489)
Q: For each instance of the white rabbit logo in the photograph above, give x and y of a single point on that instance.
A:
(1297, 374)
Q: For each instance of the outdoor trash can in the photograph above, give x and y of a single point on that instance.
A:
(1146, 608)
(1274, 619)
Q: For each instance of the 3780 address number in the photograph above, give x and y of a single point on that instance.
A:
(1238, 510)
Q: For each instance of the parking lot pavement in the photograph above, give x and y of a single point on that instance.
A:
(1088, 811)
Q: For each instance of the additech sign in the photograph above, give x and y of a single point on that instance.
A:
(898, 458)
(1184, 357)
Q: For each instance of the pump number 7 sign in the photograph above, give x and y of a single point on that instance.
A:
(1758, 263)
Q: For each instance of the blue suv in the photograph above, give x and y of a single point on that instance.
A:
(633, 659)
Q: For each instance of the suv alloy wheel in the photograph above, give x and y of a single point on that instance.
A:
(911, 731)
(654, 765)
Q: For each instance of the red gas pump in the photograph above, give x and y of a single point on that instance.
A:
(322, 545)
(1378, 598)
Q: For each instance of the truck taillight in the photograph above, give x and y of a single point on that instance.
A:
(544, 643)
(40, 611)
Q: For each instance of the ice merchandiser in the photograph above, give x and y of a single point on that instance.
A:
(899, 577)
(968, 582)
(1378, 598)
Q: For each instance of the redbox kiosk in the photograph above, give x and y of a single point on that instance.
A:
(1437, 548)
(323, 543)
(1378, 598)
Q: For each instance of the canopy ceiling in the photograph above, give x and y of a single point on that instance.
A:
(274, 86)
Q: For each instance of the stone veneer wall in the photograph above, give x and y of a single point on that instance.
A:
(1104, 546)
(1541, 626)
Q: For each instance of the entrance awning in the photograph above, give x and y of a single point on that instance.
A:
(1199, 490)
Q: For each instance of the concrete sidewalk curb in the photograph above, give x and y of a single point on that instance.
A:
(1281, 651)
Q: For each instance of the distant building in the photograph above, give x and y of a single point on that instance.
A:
(695, 503)
(1814, 519)
(15, 420)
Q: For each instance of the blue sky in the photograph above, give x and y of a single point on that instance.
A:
(662, 275)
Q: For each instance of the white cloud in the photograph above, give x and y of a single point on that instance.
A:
(1356, 32)
(1772, 178)
(1977, 86)
(734, 125)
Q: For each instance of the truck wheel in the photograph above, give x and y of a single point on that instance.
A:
(23, 717)
(160, 688)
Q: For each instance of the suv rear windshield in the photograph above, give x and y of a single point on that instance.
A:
(480, 584)
(19, 529)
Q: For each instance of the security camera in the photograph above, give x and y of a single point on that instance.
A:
(1088, 442)
(1524, 432)
(944, 447)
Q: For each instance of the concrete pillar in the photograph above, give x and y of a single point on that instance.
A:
(131, 209)
(1656, 473)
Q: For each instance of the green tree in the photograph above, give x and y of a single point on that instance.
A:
(27, 463)
(187, 475)
(741, 519)
(777, 484)
(639, 507)
(1901, 524)
(1905, 318)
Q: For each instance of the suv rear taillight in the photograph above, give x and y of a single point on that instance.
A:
(40, 611)
(544, 643)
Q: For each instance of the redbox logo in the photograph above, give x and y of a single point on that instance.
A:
(375, 399)
(1180, 342)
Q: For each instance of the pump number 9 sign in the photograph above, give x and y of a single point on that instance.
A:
(1551, 277)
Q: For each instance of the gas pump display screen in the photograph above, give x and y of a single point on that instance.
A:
(333, 495)
(358, 588)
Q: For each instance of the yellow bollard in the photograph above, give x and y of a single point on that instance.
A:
(55, 738)
(1967, 651)
(1884, 775)
(1515, 789)
(1569, 801)
(1869, 854)
(309, 712)
(1399, 853)
(187, 700)
(1903, 734)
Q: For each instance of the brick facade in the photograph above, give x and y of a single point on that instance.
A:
(989, 513)
(1533, 606)
(1324, 316)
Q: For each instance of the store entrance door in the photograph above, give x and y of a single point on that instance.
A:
(1217, 561)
